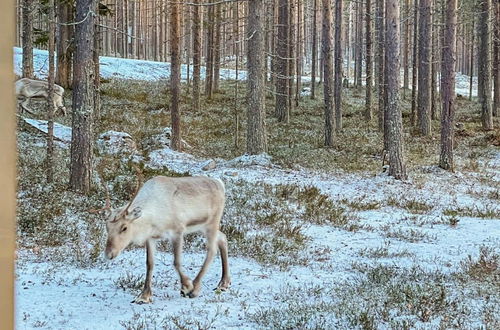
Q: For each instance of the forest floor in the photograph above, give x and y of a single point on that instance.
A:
(318, 238)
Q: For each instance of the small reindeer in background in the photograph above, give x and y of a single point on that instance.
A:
(169, 208)
(30, 88)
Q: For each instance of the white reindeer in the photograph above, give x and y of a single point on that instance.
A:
(30, 88)
(168, 208)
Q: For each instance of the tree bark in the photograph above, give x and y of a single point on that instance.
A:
(380, 57)
(209, 57)
(397, 167)
(448, 86)
(217, 46)
(291, 53)
(484, 69)
(314, 50)
(175, 73)
(28, 39)
(83, 98)
(256, 128)
(64, 44)
(337, 93)
(406, 47)
(414, 79)
(424, 70)
(368, 99)
(50, 99)
(282, 110)
(197, 20)
(327, 54)
(496, 62)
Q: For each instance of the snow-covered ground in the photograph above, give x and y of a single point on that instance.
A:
(55, 294)
(60, 296)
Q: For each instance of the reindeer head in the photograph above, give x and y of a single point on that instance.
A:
(119, 225)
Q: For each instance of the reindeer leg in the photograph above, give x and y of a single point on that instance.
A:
(24, 105)
(145, 296)
(226, 278)
(211, 250)
(186, 284)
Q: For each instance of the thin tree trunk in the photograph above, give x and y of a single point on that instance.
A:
(414, 77)
(236, 33)
(282, 110)
(448, 86)
(484, 69)
(298, 56)
(256, 128)
(380, 62)
(217, 46)
(314, 50)
(368, 100)
(496, 62)
(337, 93)
(175, 74)
(28, 39)
(50, 99)
(83, 99)
(64, 45)
(434, 66)
(197, 20)
(209, 58)
(291, 53)
(406, 46)
(424, 72)
(397, 167)
(327, 56)
(471, 59)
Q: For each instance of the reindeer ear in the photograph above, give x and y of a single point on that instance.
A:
(134, 214)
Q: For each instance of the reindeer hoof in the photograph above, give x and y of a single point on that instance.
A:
(192, 294)
(142, 300)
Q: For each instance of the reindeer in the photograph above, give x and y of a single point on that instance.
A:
(30, 88)
(168, 208)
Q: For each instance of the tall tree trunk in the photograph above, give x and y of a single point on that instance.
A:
(496, 62)
(406, 47)
(327, 56)
(49, 163)
(484, 69)
(197, 20)
(28, 39)
(256, 128)
(291, 53)
(379, 26)
(282, 110)
(175, 72)
(209, 57)
(473, 32)
(64, 44)
(217, 45)
(397, 167)
(414, 74)
(368, 101)
(83, 99)
(299, 52)
(448, 86)
(97, 78)
(424, 72)
(359, 43)
(434, 63)
(337, 93)
(314, 50)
